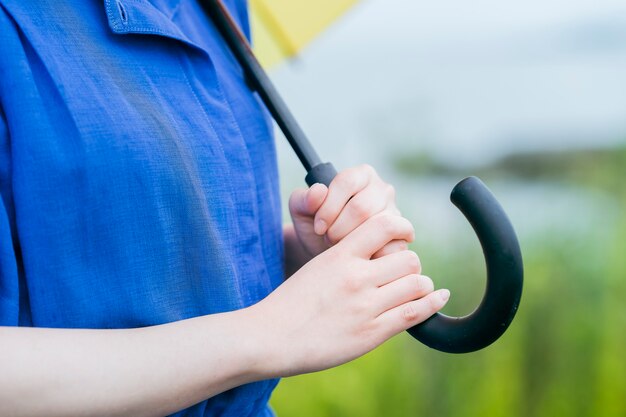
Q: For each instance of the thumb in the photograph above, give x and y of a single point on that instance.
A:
(306, 202)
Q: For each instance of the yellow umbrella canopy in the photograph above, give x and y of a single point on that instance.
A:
(281, 28)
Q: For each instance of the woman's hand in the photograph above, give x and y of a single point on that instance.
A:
(344, 303)
(339, 306)
(323, 216)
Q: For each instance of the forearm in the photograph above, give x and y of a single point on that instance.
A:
(140, 372)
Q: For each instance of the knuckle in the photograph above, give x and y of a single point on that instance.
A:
(409, 312)
(295, 197)
(359, 308)
(370, 330)
(417, 286)
(387, 223)
(351, 284)
(434, 303)
(359, 208)
(391, 191)
(346, 180)
(413, 262)
(425, 284)
(367, 168)
(409, 229)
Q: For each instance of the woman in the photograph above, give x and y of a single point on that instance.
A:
(141, 247)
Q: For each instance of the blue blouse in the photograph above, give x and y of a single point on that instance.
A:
(138, 179)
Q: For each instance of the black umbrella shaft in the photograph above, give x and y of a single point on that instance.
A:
(259, 81)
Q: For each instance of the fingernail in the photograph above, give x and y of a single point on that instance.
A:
(317, 185)
(444, 294)
(320, 226)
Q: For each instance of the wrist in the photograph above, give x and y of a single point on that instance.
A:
(264, 352)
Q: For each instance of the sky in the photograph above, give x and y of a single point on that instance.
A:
(465, 82)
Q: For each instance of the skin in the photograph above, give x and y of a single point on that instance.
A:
(353, 284)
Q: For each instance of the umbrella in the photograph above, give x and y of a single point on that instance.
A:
(281, 28)
(488, 219)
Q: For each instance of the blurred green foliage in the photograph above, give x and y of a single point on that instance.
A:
(595, 168)
(562, 356)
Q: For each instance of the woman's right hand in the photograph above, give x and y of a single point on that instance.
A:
(342, 304)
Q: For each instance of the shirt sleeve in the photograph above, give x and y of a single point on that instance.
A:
(9, 282)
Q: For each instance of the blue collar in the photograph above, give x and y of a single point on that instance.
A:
(146, 17)
(143, 17)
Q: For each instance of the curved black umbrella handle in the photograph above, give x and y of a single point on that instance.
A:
(496, 235)
(504, 277)
(504, 271)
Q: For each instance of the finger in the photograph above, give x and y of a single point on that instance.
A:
(412, 313)
(391, 267)
(376, 232)
(342, 188)
(401, 291)
(305, 202)
(391, 247)
(368, 202)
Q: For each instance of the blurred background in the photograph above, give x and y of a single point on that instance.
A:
(531, 97)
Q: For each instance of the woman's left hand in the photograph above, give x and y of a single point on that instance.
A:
(323, 216)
